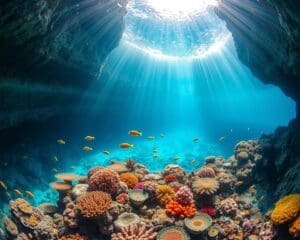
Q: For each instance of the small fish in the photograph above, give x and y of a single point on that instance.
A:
(155, 156)
(239, 183)
(262, 198)
(106, 152)
(251, 188)
(3, 185)
(196, 139)
(126, 145)
(193, 161)
(176, 158)
(29, 194)
(87, 148)
(55, 159)
(162, 135)
(8, 194)
(151, 137)
(135, 133)
(89, 138)
(54, 170)
(221, 138)
(17, 191)
(61, 142)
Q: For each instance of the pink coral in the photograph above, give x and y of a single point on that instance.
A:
(228, 206)
(184, 195)
(105, 180)
(71, 215)
(249, 226)
(206, 172)
(140, 185)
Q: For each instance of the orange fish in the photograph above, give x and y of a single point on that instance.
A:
(135, 133)
(126, 145)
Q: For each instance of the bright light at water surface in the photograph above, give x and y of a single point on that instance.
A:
(180, 9)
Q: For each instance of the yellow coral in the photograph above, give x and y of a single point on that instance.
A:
(164, 194)
(286, 209)
(130, 179)
(294, 229)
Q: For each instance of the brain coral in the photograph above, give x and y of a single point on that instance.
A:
(207, 186)
(135, 232)
(228, 206)
(206, 172)
(294, 229)
(286, 209)
(105, 180)
(130, 179)
(164, 194)
(184, 195)
(73, 237)
(93, 204)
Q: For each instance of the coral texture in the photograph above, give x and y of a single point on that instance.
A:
(135, 232)
(207, 186)
(170, 178)
(73, 237)
(122, 198)
(228, 206)
(164, 194)
(184, 195)
(206, 172)
(294, 229)
(130, 179)
(94, 204)
(176, 209)
(105, 180)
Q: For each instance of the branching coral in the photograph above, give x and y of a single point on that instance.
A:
(207, 186)
(164, 194)
(105, 180)
(73, 237)
(206, 172)
(286, 209)
(184, 195)
(176, 209)
(135, 232)
(130, 179)
(93, 204)
(294, 229)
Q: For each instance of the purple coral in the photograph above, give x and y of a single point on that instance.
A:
(184, 195)
(140, 185)
(249, 226)
(228, 206)
(71, 215)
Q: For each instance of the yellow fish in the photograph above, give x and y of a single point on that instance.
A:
(239, 183)
(251, 188)
(155, 156)
(89, 138)
(221, 139)
(29, 194)
(3, 185)
(54, 170)
(162, 135)
(126, 145)
(8, 194)
(55, 159)
(151, 137)
(135, 133)
(106, 152)
(87, 149)
(193, 161)
(176, 158)
(17, 191)
(61, 142)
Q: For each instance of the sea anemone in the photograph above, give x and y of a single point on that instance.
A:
(286, 209)
(135, 232)
(170, 178)
(130, 163)
(206, 172)
(164, 194)
(184, 195)
(73, 237)
(176, 209)
(228, 207)
(130, 179)
(105, 180)
(126, 219)
(137, 197)
(94, 204)
(173, 233)
(205, 186)
(122, 198)
(294, 229)
(198, 223)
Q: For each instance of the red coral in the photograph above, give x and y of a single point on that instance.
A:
(211, 211)
(176, 209)
(170, 178)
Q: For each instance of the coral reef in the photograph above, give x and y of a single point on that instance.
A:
(130, 179)
(198, 223)
(228, 206)
(122, 198)
(73, 237)
(135, 232)
(176, 209)
(207, 186)
(184, 195)
(294, 229)
(206, 172)
(137, 197)
(172, 233)
(126, 220)
(164, 194)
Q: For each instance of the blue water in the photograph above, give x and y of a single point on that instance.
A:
(183, 80)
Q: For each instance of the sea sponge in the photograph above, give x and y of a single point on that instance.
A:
(184, 195)
(228, 206)
(206, 186)
(286, 209)
(135, 232)
(176, 209)
(130, 179)
(126, 219)
(198, 223)
(172, 233)
(294, 229)
(170, 178)
(206, 172)
(93, 204)
(105, 180)
(73, 237)
(164, 194)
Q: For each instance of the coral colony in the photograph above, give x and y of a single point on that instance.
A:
(124, 201)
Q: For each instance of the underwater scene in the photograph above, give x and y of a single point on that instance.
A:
(149, 119)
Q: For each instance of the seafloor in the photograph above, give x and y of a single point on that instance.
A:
(126, 201)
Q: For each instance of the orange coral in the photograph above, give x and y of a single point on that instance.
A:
(73, 237)
(33, 221)
(164, 194)
(176, 209)
(94, 204)
(170, 178)
(286, 209)
(294, 229)
(130, 179)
